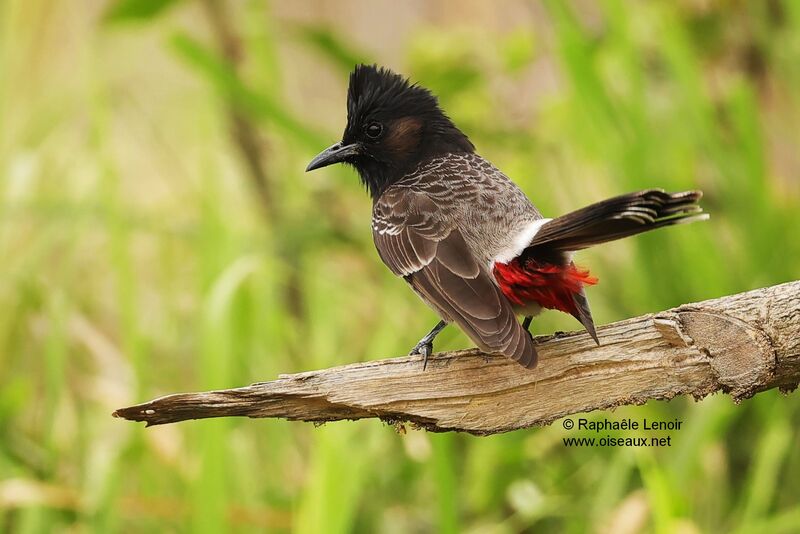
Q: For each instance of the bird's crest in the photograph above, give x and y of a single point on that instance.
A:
(377, 91)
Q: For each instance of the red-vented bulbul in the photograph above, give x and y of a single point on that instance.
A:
(462, 234)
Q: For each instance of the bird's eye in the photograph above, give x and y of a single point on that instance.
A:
(374, 130)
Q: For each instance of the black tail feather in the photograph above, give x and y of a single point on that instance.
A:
(618, 217)
(611, 219)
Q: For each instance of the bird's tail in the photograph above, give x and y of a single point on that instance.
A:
(615, 218)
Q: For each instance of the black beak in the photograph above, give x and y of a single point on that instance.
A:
(334, 154)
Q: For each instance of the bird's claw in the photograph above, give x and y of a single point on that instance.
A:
(425, 349)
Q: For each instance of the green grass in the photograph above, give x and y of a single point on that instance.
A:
(138, 261)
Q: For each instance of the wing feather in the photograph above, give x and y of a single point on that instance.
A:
(435, 260)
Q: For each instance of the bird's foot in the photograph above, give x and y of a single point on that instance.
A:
(425, 348)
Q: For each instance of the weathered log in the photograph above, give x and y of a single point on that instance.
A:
(740, 344)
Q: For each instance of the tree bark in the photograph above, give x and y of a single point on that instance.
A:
(740, 344)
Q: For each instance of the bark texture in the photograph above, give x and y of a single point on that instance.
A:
(740, 344)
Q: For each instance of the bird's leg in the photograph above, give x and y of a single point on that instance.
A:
(526, 323)
(425, 345)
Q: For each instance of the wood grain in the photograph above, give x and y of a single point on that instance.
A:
(740, 344)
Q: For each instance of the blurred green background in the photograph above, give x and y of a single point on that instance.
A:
(158, 234)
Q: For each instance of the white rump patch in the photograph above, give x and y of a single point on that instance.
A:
(521, 241)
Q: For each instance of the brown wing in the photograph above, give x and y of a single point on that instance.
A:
(433, 257)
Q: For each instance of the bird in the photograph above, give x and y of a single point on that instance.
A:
(464, 236)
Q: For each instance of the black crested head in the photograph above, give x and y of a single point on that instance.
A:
(392, 126)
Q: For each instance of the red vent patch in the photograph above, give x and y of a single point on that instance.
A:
(551, 286)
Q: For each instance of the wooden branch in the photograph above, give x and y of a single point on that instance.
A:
(739, 344)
